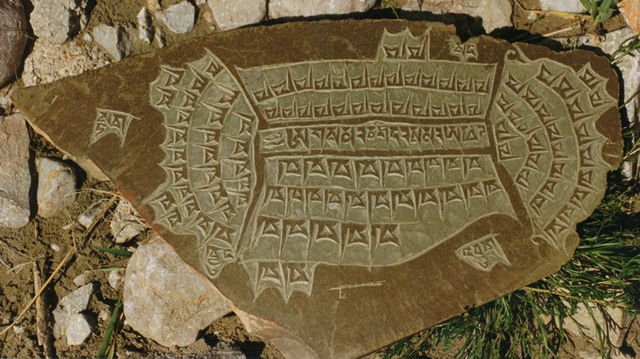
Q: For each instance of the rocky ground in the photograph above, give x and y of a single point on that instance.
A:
(54, 217)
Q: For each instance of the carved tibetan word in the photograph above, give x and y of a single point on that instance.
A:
(346, 184)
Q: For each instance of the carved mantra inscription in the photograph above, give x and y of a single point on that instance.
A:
(371, 162)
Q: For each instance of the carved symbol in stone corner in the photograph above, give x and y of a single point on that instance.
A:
(483, 253)
(111, 122)
(465, 52)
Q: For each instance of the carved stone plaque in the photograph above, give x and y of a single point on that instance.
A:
(346, 184)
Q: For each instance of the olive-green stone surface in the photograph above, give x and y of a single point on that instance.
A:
(346, 184)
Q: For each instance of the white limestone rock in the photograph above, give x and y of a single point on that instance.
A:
(126, 223)
(15, 178)
(87, 217)
(65, 314)
(494, 13)
(78, 329)
(48, 63)
(55, 21)
(13, 38)
(574, 6)
(167, 300)
(145, 29)
(115, 279)
(230, 14)
(56, 186)
(293, 8)
(115, 40)
(179, 18)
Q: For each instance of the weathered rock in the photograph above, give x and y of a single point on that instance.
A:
(321, 182)
(56, 186)
(145, 28)
(56, 21)
(48, 63)
(230, 14)
(87, 217)
(15, 178)
(494, 13)
(115, 40)
(167, 300)
(115, 279)
(292, 8)
(12, 38)
(586, 320)
(126, 223)
(78, 329)
(179, 18)
(65, 314)
(573, 6)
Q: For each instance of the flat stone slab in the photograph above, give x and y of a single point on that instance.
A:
(346, 184)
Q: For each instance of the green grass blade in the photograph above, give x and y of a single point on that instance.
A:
(115, 251)
(104, 346)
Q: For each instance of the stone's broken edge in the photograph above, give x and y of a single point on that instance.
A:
(535, 274)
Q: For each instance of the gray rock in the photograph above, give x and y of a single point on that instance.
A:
(115, 279)
(15, 179)
(230, 14)
(87, 217)
(12, 38)
(115, 40)
(74, 303)
(48, 63)
(56, 186)
(167, 300)
(126, 223)
(145, 29)
(494, 13)
(179, 18)
(290, 8)
(81, 279)
(574, 6)
(159, 37)
(78, 329)
(584, 322)
(57, 20)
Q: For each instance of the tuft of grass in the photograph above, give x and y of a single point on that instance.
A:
(604, 273)
(600, 10)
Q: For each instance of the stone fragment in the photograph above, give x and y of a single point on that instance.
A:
(114, 279)
(230, 14)
(321, 182)
(572, 6)
(494, 13)
(56, 186)
(293, 8)
(159, 37)
(126, 223)
(115, 40)
(78, 329)
(145, 28)
(13, 38)
(87, 217)
(179, 18)
(48, 63)
(165, 299)
(81, 279)
(585, 321)
(72, 304)
(15, 178)
(57, 20)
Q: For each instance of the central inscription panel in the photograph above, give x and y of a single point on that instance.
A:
(370, 163)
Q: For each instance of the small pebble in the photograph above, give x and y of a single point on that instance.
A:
(115, 279)
(55, 247)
